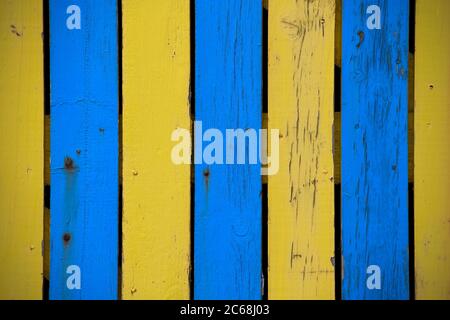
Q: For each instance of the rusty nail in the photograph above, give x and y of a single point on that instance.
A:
(66, 237)
(68, 163)
(361, 36)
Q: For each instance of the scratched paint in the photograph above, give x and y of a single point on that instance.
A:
(301, 195)
(156, 192)
(375, 150)
(84, 149)
(432, 151)
(21, 158)
(227, 239)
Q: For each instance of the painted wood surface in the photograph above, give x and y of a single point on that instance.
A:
(374, 150)
(337, 147)
(21, 159)
(84, 149)
(156, 192)
(432, 150)
(301, 195)
(227, 231)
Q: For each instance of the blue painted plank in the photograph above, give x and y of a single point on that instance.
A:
(84, 150)
(374, 150)
(228, 62)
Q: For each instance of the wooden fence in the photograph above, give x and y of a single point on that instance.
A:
(93, 207)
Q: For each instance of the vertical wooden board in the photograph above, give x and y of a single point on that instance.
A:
(22, 139)
(375, 151)
(84, 149)
(301, 195)
(156, 192)
(228, 95)
(432, 150)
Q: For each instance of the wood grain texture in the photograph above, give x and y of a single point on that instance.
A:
(432, 151)
(21, 159)
(84, 150)
(337, 147)
(156, 192)
(228, 95)
(301, 195)
(337, 136)
(374, 149)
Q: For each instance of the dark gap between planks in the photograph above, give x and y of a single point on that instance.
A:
(192, 114)
(264, 193)
(46, 195)
(412, 49)
(120, 189)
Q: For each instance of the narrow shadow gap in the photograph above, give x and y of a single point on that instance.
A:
(337, 186)
(120, 190)
(412, 286)
(265, 247)
(264, 193)
(337, 88)
(337, 243)
(192, 115)
(412, 26)
(47, 196)
(411, 225)
(46, 57)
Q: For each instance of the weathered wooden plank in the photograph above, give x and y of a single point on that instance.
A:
(84, 149)
(337, 147)
(47, 150)
(156, 192)
(375, 149)
(21, 159)
(432, 151)
(227, 247)
(301, 195)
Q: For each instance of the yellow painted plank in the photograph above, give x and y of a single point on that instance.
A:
(156, 193)
(301, 195)
(21, 159)
(432, 150)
